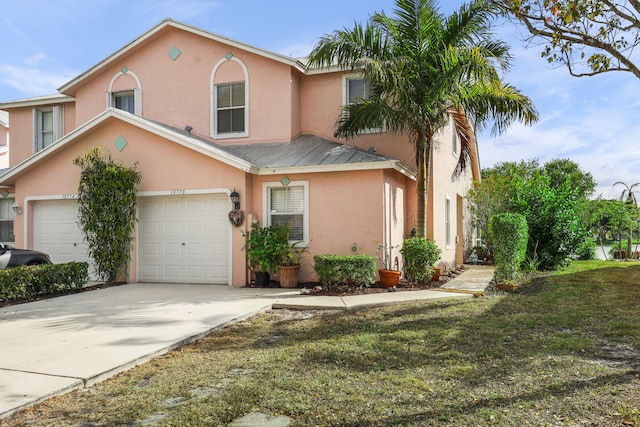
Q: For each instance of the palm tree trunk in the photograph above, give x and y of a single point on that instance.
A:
(423, 154)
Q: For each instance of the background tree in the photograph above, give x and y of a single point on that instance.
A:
(589, 37)
(628, 196)
(423, 68)
(488, 199)
(546, 196)
(107, 211)
(610, 218)
(565, 172)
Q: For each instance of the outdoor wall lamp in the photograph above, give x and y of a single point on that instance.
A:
(236, 216)
(235, 198)
(16, 208)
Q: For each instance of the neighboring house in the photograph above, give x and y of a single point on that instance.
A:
(202, 116)
(6, 213)
(4, 140)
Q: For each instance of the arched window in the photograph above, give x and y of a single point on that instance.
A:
(229, 99)
(129, 99)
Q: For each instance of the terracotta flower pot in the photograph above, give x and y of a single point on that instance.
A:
(389, 278)
(436, 274)
(288, 275)
(508, 287)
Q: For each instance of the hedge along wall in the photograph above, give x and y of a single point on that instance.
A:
(30, 282)
(509, 234)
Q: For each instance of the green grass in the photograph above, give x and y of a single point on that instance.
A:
(564, 351)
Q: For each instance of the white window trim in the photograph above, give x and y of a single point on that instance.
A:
(137, 92)
(213, 103)
(266, 214)
(447, 222)
(58, 126)
(455, 142)
(345, 101)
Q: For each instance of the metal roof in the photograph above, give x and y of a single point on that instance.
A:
(306, 150)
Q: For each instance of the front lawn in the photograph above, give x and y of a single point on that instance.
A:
(564, 351)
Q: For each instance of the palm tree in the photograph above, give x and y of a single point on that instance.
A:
(423, 68)
(628, 195)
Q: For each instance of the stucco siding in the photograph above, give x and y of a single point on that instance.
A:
(178, 92)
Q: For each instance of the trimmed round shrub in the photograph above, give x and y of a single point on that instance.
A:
(420, 255)
(510, 234)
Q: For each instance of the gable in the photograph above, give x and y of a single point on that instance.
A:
(155, 32)
(119, 120)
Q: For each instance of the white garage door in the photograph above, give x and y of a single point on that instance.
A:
(56, 231)
(184, 239)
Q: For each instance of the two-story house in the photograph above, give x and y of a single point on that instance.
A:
(204, 116)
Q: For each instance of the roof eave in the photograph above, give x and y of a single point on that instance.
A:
(39, 101)
(344, 167)
(183, 140)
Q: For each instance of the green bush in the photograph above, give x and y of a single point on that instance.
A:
(420, 255)
(587, 250)
(334, 270)
(107, 197)
(262, 248)
(510, 234)
(30, 282)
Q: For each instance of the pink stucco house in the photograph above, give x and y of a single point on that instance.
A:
(204, 115)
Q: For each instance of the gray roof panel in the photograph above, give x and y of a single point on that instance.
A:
(307, 150)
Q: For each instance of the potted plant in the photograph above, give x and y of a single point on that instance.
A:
(288, 255)
(390, 272)
(261, 253)
(420, 255)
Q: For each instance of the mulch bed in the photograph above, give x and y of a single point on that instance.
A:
(316, 289)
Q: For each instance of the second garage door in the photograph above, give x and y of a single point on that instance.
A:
(56, 231)
(184, 239)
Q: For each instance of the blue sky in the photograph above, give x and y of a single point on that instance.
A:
(593, 121)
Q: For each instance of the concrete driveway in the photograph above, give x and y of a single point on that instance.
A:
(60, 344)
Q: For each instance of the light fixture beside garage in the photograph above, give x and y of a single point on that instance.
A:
(16, 208)
(236, 216)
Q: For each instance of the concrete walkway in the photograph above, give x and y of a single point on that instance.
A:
(53, 346)
(474, 280)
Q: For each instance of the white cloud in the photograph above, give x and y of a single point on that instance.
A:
(36, 59)
(33, 81)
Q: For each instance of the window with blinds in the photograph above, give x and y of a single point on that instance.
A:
(6, 220)
(286, 206)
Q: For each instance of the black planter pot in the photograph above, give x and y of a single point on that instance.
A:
(262, 279)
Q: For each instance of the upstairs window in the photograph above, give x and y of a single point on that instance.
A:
(47, 127)
(447, 222)
(124, 101)
(354, 88)
(357, 89)
(230, 109)
(454, 141)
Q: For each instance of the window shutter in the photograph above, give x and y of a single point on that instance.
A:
(58, 122)
(36, 129)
